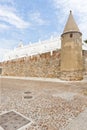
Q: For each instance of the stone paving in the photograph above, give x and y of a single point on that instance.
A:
(49, 105)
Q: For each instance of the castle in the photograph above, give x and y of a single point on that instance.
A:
(64, 57)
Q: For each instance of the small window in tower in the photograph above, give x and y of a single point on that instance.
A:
(71, 35)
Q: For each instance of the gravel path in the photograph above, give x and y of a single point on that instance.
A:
(36, 101)
(79, 123)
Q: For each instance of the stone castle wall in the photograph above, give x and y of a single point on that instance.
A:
(42, 65)
(85, 62)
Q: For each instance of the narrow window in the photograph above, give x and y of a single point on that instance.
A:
(71, 35)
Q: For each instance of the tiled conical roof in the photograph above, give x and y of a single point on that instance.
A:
(71, 24)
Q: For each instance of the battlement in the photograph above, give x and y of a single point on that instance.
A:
(40, 47)
(40, 65)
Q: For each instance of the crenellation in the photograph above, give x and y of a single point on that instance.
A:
(38, 66)
(41, 65)
(33, 49)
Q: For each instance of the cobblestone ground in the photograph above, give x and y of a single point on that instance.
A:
(49, 105)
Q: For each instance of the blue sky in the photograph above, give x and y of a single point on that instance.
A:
(31, 20)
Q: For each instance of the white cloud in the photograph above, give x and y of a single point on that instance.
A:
(79, 9)
(8, 15)
(8, 43)
(75, 5)
(36, 17)
(2, 53)
(5, 46)
(3, 26)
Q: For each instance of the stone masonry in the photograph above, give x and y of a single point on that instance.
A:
(44, 65)
(85, 62)
(71, 51)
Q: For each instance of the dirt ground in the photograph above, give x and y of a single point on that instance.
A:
(49, 105)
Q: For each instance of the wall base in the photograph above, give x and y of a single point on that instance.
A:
(71, 75)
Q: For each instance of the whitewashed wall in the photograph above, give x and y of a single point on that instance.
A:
(33, 49)
(36, 48)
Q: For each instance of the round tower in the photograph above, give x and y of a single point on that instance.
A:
(71, 51)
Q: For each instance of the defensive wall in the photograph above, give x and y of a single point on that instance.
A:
(41, 65)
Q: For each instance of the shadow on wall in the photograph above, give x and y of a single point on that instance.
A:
(0, 70)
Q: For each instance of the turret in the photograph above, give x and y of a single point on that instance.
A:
(71, 51)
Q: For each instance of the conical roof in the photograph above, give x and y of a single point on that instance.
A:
(71, 24)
